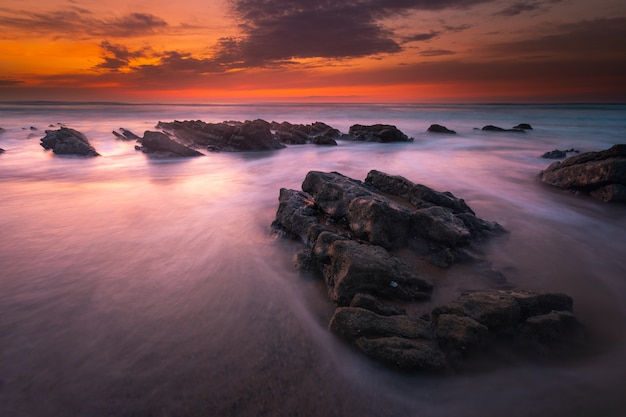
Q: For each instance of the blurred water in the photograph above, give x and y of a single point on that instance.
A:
(132, 286)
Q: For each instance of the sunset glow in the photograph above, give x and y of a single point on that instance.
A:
(296, 50)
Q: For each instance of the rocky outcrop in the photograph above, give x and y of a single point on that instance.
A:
(225, 137)
(601, 174)
(353, 233)
(523, 126)
(440, 129)
(159, 144)
(377, 133)
(558, 154)
(66, 141)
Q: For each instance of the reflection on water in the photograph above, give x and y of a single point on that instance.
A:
(137, 286)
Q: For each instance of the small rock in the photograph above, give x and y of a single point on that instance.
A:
(523, 126)
(440, 129)
(66, 141)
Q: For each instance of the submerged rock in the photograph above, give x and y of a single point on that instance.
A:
(492, 128)
(160, 144)
(227, 136)
(125, 135)
(523, 126)
(602, 174)
(377, 133)
(66, 141)
(2, 150)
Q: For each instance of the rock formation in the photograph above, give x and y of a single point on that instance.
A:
(159, 144)
(558, 154)
(317, 133)
(66, 141)
(227, 136)
(353, 231)
(601, 174)
(492, 128)
(125, 135)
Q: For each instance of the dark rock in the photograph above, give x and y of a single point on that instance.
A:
(440, 129)
(555, 327)
(66, 141)
(227, 136)
(352, 323)
(555, 154)
(297, 216)
(350, 268)
(523, 126)
(377, 133)
(126, 135)
(491, 128)
(32, 128)
(459, 333)
(2, 150)
(369, 302)
(440, 225)
(403, 353)
(379, 221)
(160, 144)
(324, 140)
(2, 130)
(333, 192)
(591, 172)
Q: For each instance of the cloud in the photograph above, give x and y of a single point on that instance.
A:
(436, 52)
(421, 37)
(77, 22)
(9, 82)
(118, 56)
(525, 7)
(281, 30)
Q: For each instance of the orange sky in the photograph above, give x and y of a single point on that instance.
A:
(302, 50)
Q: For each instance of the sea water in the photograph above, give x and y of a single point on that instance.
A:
(138, 286)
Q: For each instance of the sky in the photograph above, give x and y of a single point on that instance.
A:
(385, 51)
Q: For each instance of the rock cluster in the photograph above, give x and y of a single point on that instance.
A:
(352, 231)
(159, 144)
(377, 133)
(66, 141)
(601, 174)
(558, 154)
(318, 133)
(518, 129)
(125, 134)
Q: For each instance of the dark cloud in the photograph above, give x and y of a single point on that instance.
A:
(118, 56)
(436, 52)
(525, 7)
(75, 22)
(8, 82)
(421, 37)
(457, 29)
(281, 30)
(589, 39)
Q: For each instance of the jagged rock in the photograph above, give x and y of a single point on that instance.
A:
(66, 141)
(440, 129)
(377, 133)
(553, 328)
(227, 136)
(523, 126)
(2, 150)
(160, 144)
(459, 333)
(350, 268)
(125, 135)
(492, 128)
(603, 174)
(324, 140)
(297, 216)
(353, 322)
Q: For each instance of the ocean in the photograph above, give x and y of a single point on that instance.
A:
(136, 286)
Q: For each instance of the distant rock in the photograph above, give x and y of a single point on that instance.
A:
(377, 133)
(558, 154)
(125, 135)
(2, 130)
(440, 129)
(523, 126)
(601, 174)
(159, 144)
(2, 150)
(227, 136)
(491, 128)
(66, 141)
(317, 133)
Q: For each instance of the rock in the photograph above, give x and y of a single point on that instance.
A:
(126, 135)
(440, 129)
(324, 140)
(297, 216)
(553, 328)
(227, 136)
(160, 144)
(491, 128)
(377, 133)
(2, 150)
(523, 126)
(352, 323)
(404, 354)
(2, 130)
(379, 221)
(558, 154)
(441, 226)
(591, 172)
(397, 340)
(66, 141)
(459, 333)
(369, 302)
(350, 268)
